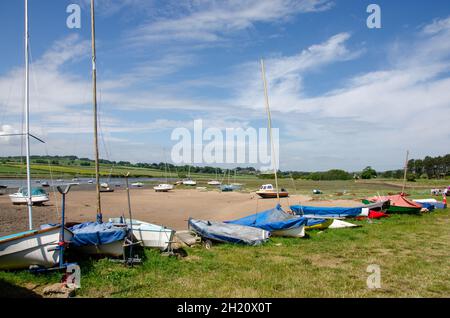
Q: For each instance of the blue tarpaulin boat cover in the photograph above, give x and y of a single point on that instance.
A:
(228, 233)
(271, 220)
(431, 205)
(327, 211)
(93, 233)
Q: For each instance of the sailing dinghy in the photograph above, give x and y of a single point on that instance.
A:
(275, 220)
(98, 238)
(228, 233)
(150, 235)
(399, 204)
(339, 212)
(94, 238)
(34, 247)
(31, 248)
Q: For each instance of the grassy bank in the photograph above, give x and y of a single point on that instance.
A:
(413, 253)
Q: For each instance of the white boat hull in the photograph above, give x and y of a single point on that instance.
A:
(190, 183)
(163, 187)
(150, 235)
(154, 239)
(294, 232)
(36, 248)
(17, 198)
(338, 224)
(113, 249)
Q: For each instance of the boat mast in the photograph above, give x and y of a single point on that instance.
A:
(94, 102)
(27, 120)
(269, 123)
(405, 172)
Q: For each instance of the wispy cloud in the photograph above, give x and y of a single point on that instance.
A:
(213, 21)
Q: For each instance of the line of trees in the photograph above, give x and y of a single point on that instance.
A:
(430, 167)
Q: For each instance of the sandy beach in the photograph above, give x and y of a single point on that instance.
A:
(171, 209)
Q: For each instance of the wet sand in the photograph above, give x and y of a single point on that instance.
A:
(171, 209)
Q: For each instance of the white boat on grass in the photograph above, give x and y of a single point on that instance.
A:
(164, 187)
(150, 235)
(34, 247)
(338, 224)
(93, 238)
(38, 196)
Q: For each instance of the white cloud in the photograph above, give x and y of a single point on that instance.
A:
(212, 21)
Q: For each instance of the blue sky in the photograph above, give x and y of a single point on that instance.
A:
(342, 95)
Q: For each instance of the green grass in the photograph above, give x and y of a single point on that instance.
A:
(413, 253)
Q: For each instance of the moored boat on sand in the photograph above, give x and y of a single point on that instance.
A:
(267, 191)
(164, 187)
(38, 196)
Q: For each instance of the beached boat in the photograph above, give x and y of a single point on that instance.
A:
(38, 196)
(105, 187)
(189, 182)
(98, 238)
(214, 183)
(339, 212)
(427, 203)
(228, 233)
(137, 184)
(93, 238)
(226, 188)
(339, 224)
(276, 221)
(163, 187)
(34, 247)
(318, 224)
(150, 235)
(31, 248)
(398, 204)
(267, 191)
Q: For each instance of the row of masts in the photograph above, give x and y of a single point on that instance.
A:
(27, 117)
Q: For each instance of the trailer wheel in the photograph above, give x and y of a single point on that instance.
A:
(207, 244)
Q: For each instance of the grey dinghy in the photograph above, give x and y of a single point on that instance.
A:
(228, 233)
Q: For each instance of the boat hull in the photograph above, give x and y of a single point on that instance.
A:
(293, 232)
(154, 239)
(163, 188)
(403, 210)
(113, 249)
(20, 199)
(320, 226)
(39, 247)
(150, 235)
(338, 224)
(272, 195)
